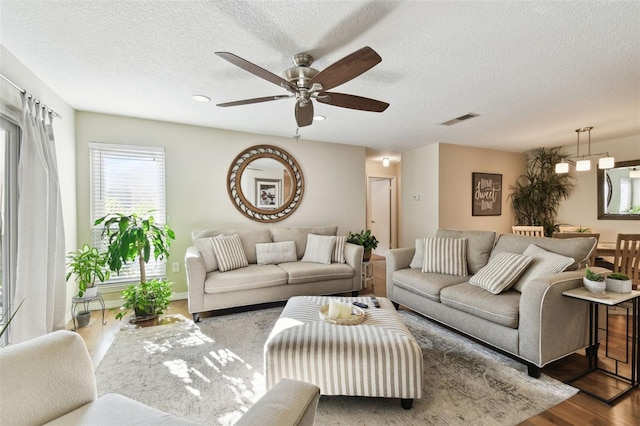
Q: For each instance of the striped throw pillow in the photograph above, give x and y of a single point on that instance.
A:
(229, 252)
(501, 272)
(338, 250)
(544, 263)
(445, 256)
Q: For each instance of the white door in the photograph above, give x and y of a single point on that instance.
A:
(380, 193)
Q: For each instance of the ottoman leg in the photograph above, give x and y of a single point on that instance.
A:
(406, 403)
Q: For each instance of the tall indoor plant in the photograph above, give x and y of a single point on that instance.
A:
(536, 195)
(133, 238)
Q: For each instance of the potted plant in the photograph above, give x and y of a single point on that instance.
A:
(618, 283)
(594, 282)
(536, 195)
(88, 265)
(365, 239)
(134, 238)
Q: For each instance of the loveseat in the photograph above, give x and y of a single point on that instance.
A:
(274, 264)
(467, 289)
(50, 380)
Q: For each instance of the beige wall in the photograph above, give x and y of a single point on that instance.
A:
(582, 208)
(64, 130)
(440, 174)
(197, 161)
(457, 163)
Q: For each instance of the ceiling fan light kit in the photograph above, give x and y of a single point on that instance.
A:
(306, 83)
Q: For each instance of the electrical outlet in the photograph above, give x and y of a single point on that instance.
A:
(175, 267)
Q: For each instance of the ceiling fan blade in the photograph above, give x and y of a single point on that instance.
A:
(256, 70)
(304, 114)
(347, 68)
(254, 100)
(351, 101)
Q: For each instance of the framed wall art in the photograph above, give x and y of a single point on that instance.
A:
(268, 193)
(486, 194)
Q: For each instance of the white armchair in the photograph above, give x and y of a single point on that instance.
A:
(50, 380)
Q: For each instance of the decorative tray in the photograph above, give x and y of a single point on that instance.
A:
(357, 316)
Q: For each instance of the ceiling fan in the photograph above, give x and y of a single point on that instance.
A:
(306, 83)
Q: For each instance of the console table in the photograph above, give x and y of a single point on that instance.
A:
(632, 343)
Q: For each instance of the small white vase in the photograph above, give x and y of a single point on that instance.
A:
(90, 292)
(595, 287)
(618, 286)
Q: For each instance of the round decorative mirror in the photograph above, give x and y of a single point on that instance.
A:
(265, 183)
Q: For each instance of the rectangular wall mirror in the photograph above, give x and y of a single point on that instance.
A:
(619, 191)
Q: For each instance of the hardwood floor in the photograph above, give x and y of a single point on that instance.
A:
(580, 409)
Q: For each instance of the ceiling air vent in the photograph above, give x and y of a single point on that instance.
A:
(459, 119)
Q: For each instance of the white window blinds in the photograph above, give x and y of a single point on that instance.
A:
(127, 179)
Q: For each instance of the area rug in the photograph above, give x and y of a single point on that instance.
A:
(211, 373)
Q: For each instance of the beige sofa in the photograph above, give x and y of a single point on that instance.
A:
(532, 321)
(50, 380)
(210, 289)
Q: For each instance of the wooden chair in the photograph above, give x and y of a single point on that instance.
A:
(627, 258)
(531, 231)
(592, 258)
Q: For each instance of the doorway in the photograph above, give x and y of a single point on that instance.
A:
(382, 212)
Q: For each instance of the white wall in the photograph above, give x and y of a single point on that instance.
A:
(582, 207)
(420, 194)
(197, 162)
(64, 130)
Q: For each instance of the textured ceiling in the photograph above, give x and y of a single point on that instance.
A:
(533, 71)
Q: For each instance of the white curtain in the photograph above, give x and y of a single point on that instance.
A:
(40, 271)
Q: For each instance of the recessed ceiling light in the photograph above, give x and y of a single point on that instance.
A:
(318, 117)
(201, 98)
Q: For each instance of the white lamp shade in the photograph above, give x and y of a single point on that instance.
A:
(385, 162)
(606, 163)
(562, 168)
(583, 165)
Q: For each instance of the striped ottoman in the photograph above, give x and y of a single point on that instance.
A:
(377, 358)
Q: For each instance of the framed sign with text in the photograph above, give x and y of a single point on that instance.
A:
(486, 195)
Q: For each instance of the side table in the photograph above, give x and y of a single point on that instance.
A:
(632, 342)
(367, 273)
(75, 301)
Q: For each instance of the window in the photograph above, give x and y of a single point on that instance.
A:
(9, 147)
(127, 179)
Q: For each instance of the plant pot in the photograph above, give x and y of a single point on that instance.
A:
(595, 287)
(90, 292)
(83, 318)
(618, 286)
(366, 255)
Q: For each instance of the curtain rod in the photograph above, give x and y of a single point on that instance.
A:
(49, 110)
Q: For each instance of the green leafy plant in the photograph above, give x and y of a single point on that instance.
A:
(147, 299)
(363, 238)
(618, 276)
(88, 265)
(536, 195)
(592, 276)
(134, 238)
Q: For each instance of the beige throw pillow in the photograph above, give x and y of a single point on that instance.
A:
(338, 250)
(274, 253)
(229, 252)
(544, 263)
(319, 249)
(501, 272)
(205, 247)
(445, 256)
